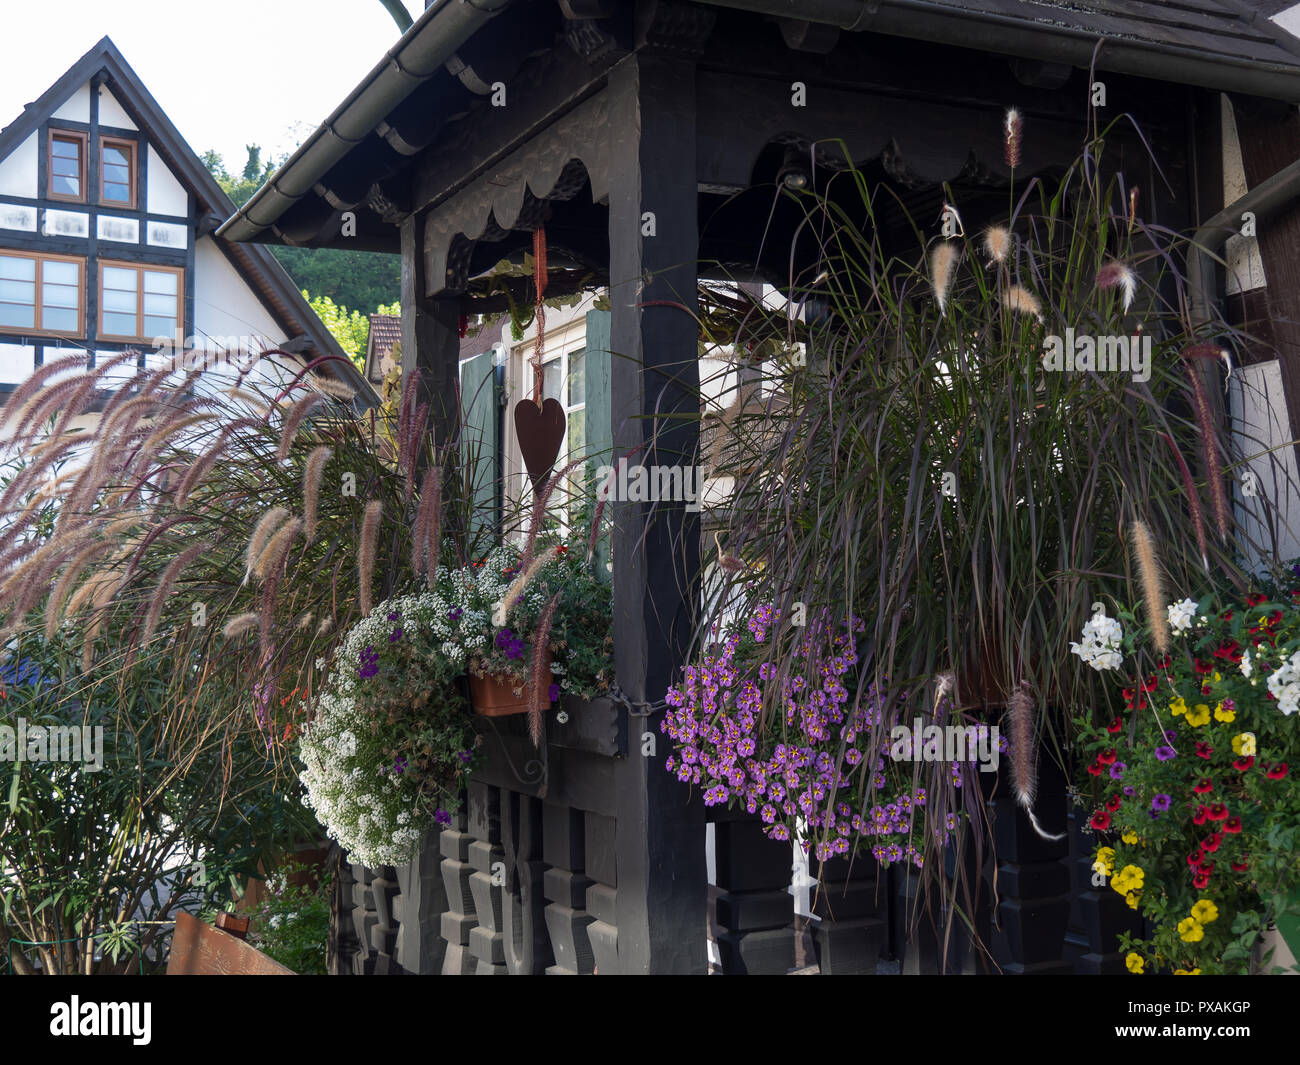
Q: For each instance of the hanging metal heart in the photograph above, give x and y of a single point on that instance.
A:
(541, 432)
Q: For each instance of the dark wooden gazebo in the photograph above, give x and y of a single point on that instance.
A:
(649, 137)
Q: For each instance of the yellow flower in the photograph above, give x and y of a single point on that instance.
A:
(1106, 855)
(1130, 837)
(1178, 706)
(1132, 899)
(1217, 676)
(1198, 715)
(1128, 879)
(1190, 930)
(1205, 911)
(1134, 962)
(1187, 972)
(1220, 714)
(1244, 745)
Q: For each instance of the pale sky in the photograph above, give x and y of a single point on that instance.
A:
(228, 74)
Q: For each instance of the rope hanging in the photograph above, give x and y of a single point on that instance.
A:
(539, 284)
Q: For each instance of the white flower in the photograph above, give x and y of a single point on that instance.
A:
(1102, 638)
(1246, 668)
(1284, 685)
(1180, 616)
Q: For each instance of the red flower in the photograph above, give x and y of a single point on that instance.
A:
(1211, 842)
(1194, 859)
(1242, 764)
(1203, 750)
(1241, 866)
(1206, 868)
(1204, 667)
(1164, 662)
(1205, 689)
(1114, 802)
(1115, 726)
(1203, 786)
(1201, 880)
(1128, 694)
(1218, 812)
(1254, 599)
(1100, 820)
(1150, 684)
(1276, 772)
(1095, 769)
(1275, 617)
(1232, 825)
(1201, 816)
(1107, 757)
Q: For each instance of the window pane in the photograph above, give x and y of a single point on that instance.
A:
(577, 433)
(159, 326)
(119, 302)
(65, 148)
(16, 269)
(160, 305)
(116, 193)
(18, 291)
(67, 186)
(60, 320)
(59, 295)
(159, 282)
(17, 316)
(116, 277)
(65, 167)
(577, 378)
(551, 380)
(59, 273)
(119, 325)
(116, 157)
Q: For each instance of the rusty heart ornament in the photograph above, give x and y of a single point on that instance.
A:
(541, 432)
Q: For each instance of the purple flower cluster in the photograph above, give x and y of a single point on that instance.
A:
(714, 718)
(369, 663)
(511, 644)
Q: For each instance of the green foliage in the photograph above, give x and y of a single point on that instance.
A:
(350, 328)
(292, 923)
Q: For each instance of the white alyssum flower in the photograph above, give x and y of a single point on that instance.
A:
(1181, 616)
(1102, 638)
(1284, 685)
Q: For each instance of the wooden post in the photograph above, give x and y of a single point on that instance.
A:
(653, 239)
(430, 335)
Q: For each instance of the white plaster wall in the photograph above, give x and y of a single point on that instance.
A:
(76, 108)
(224, 305)
(1262, 440)
(166, 195)
(1245, 267)
(18, 170)
(111, 113)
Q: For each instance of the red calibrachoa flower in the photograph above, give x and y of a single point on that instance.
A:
(1194, 859)
(1201, 816)
(1276, 772)
(1114, 802)
(1207, 868)
(1204, 667)
(1253, 599)
(1107, 757)
(1100, 820)
(1201, 880)
(1203, 786)
(1115, 726)
(1203, 750)
(1241, 866)
(1218, 812)
(1242, 764)
(1232, 825)
(1164, 662)
(1150, 684)
(1096, 769)
(1211, 843)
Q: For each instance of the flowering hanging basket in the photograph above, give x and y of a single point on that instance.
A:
(495, 696)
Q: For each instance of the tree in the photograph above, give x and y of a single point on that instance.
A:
(350, 328)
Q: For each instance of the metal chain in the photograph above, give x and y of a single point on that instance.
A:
(635, 707)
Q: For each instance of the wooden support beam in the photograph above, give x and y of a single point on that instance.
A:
(430, 335)
(661, 901)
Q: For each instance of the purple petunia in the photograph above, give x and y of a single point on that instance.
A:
(1164, 753)
(1117, 771)
(553, 692)
(1161, 803)
(369, 663)
(442, 817)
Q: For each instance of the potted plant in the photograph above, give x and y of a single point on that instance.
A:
(1197, 814)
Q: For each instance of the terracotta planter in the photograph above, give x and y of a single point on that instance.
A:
(491, 697)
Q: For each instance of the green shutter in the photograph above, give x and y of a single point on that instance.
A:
(479, 451)
(598, 366)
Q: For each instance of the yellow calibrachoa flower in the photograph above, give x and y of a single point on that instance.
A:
(1178, 706)
(1244, 745)
(1134, 962)
(1217, 676)
(1130, 837)
(1220, 714)
(1190, 930)
(1187, 972)
(1128, 879)
(1205, 911)
(1104, 863)
(1198, 715)
(1132, 899)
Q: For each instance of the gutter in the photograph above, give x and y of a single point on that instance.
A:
(941, 24)
(422, 51)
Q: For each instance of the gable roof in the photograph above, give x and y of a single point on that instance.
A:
(385, 333)
(258, 267)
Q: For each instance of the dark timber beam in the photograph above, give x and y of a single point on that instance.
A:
(661, 903)
(430, 336)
